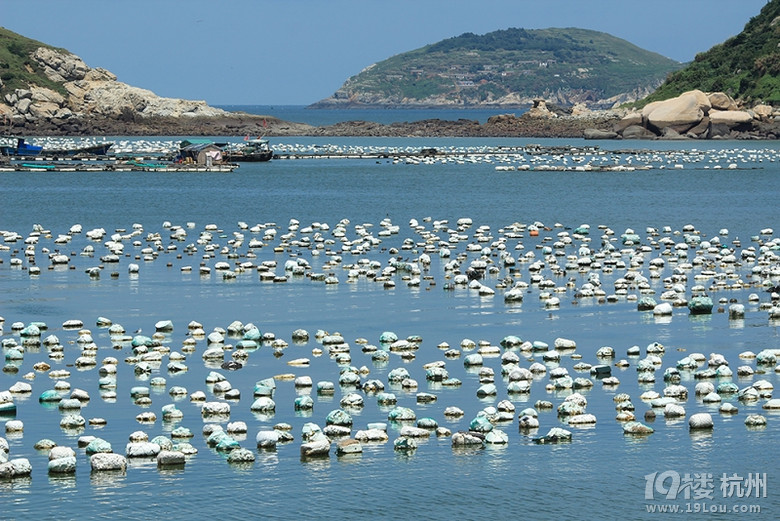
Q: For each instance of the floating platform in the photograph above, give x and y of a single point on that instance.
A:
(112, 166)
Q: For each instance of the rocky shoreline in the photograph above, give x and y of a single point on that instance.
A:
(598, 125)
(239, 124)
(539, 122)
(93, 103)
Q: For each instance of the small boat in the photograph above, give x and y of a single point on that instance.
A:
(40, 166)
(252, 150)
(22, 148)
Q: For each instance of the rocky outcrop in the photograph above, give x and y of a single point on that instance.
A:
(696, 115)
(732, 118)
(92, 97)
(594, 133)
(540, 110)
(680, 113)
(721, 101)
(92, 102)
(93, 92)
(60, 66)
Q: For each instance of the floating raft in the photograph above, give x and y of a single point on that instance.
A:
(95, 166)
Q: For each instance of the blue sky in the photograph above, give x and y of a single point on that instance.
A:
(296, 52)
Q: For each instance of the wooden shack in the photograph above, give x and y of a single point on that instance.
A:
(200, 153)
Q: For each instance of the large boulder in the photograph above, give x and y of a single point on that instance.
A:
(594, 133)
(673, 133)
(629, 120)
(731, 118)
(721, 101)
(60, 66)
(44, 95)
(721, 131)
(680, 113)
(638, 132)
(701, 130)
(763, 112)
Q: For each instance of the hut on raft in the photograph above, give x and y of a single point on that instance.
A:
(204, 153)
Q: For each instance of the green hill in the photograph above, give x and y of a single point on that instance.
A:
(746, 67)
(17, 70)
(510, 66)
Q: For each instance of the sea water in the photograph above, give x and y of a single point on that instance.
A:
(601, 473)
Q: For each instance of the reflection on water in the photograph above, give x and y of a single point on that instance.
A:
(15, 487)
(62, 481)
(107, 482)
(701, 440)
(737, 323)
(316, 468)
(171, 472)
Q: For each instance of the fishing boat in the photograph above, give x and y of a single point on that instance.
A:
(22, 148)
(99, 149)
(252, 150)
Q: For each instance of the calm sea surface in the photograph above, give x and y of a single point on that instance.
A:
(601, 473)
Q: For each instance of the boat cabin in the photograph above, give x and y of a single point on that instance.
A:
(22, 148)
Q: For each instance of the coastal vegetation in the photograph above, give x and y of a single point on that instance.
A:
(17, 69)
(512, 65)
(746, 66)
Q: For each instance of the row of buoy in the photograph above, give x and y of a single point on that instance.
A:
(487, 426)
